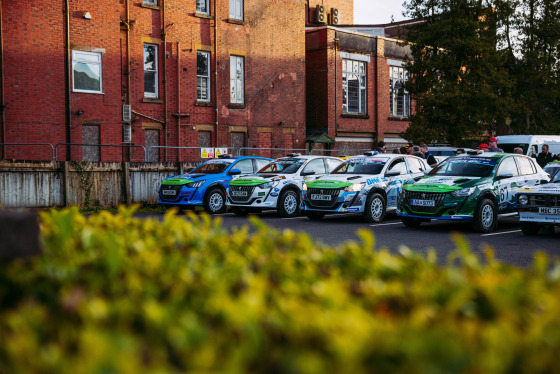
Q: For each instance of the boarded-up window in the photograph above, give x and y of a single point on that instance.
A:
(205, 138)
(90, 135)
(152, 139)
(288, 141)
(265, 141)
(238, 140)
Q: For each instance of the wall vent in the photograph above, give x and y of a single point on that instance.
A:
(320, 14)
(126, 113)
(335, 16)
(127, 134)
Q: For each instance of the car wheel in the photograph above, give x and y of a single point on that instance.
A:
(375, 208)
(411, 222)
(215, 201)
(485, 216)
(530, 228)
(239, 211)
(288, 204)
(314, 215)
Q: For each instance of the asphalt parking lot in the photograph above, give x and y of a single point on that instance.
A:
(510, 245)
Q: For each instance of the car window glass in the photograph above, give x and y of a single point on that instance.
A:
(246, 166)
(317, 165)
(415, 165)
(261, 163)
(525, 166)
(508, 166)
(332, 164)
(398, 165)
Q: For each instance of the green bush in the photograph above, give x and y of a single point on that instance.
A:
(115, 294)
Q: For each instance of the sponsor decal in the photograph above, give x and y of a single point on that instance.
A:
(247, 182)
(176, 181)
(274, 194)
(325, 183)
(485, 186)
(276, 190)
(371, 181)
(352, 209)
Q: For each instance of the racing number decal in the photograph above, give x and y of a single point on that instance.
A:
(504, 193)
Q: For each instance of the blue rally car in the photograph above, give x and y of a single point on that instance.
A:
(206, 185)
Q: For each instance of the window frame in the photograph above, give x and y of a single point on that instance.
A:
(236, 4)
(155, 95)
(501, 166)
(100, 64)
(393, 100)
(209, 83)
(361, 89)
(233, 80)
(150, 2)
(206, 4)
(312, 162)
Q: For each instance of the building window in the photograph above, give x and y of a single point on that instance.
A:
(202, 6)
(203, 76)
(86, 72)
(150, 70)
(236, 80)
(149, 2)
(400, 98)
(236, 9)
(354, 87)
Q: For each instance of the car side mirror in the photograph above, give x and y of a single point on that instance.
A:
(392, 173)
(234, 172)
(543, 181)
(308, 172)
(505, 175)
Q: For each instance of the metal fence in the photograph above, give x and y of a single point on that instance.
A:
(269, 152)
(31, 144)
(195, 153)
(122, 146)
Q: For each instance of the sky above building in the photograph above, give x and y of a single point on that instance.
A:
(377, 11)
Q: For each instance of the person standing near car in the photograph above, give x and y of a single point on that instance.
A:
(493, 145)
(518, 150)
(380, 147)
(545, 156)
(430, 159)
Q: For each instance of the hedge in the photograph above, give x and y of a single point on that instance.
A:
(115, 294)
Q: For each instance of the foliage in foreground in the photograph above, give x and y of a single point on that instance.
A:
(114, 294)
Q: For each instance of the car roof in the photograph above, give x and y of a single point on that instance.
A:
(384, 155)
(308, 157)
(240, 158)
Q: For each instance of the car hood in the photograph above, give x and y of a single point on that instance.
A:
(444, 183)
(256, 179)
(183, 179)
(343, 180)
(545, 189)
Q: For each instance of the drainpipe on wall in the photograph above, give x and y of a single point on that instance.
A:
(164, 82)
(2, 100)
(335, 88)
(68, 83)
(178, 101)
(216, 67)
(376, 102)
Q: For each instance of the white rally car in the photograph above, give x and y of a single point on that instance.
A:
(278, 185)
(367, 184)
(540, 205)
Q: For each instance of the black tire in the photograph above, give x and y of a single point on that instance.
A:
(314, 215)
(530, 228)
(288, 204)
(375, 209)
(485, 216)
(215, 201)
(411, 221)
(239, 211)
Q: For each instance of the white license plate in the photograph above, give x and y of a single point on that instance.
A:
(321, 197)
(549, 210)
(418, 202)
(169, 192)
(239, 193)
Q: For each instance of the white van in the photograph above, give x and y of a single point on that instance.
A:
(531, 144)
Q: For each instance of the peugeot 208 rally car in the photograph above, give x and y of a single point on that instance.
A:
(206, 185)
(367, 184)
(278, 185)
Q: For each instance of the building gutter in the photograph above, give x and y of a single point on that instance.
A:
(68, 83)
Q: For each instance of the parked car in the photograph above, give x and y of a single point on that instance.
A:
(531, 144)
(539, 206)
(471, 188)
(278, 185)
(552, 168)
(206, 185)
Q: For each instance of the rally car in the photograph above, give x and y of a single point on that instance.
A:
(539, 206)
(552, 168)
(366, 184)
(474, 188)
(206, 185)
(278, 185)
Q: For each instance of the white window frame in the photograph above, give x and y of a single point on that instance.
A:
(206, 5)
(236, 83)
(76, 59)
(400, 75)
(153, 95)
(150, 2)
(207, 77)
(236, 9)
(360, 72)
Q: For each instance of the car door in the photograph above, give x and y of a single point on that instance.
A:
(508, 182)
(394, 183)
(416, 166)
(527, 172)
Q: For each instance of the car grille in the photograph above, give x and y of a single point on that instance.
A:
(544, 200)
(173, 197)
(436, 196)
(241, 199)
(323, 191)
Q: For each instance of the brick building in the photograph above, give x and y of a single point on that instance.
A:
(226, 73)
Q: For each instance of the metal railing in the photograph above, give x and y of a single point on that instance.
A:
(99, 145)
(340, 152)
(53, 158)
(291, 150)
(235, 150)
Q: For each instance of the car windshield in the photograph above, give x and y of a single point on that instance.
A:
(465, 167)
(211, 167)
(282, 166)
(361, 166)
(556, 177)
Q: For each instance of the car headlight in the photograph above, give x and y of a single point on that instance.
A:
(195, 184)
(523, 199)
(355, 187)
(266, 185)
(463, 192)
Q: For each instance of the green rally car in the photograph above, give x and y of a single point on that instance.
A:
(475, 187)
